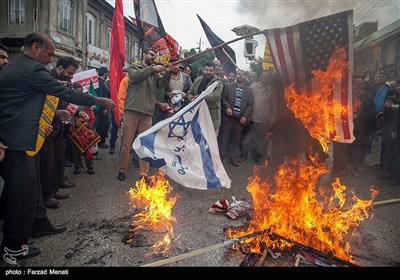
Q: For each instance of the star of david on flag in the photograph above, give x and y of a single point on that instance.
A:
(185, 147)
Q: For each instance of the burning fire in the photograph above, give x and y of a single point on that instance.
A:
(156, 214)
(316, 110)
(292, 210)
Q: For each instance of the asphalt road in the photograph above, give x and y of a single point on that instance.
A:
(98, 214)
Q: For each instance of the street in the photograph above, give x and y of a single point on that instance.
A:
(98, 213)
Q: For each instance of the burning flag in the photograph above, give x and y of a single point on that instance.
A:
(151, 30)
(185, 147)
(117, 56)
(302, 51)
(225, 57)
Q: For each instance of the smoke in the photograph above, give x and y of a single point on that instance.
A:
(280, 13)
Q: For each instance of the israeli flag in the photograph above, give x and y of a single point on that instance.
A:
(185, 147)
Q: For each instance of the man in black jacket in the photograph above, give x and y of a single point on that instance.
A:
(52, 153)
(102, 121)
(24, 84)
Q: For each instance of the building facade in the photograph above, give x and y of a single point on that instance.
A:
(79, 28)
(379, 51)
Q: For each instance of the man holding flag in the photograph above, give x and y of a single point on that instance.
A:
(144, 78)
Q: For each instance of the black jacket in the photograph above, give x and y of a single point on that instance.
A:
(24, 84)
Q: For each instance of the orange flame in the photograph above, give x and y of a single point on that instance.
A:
(292, 210)
(316, 110)
(156, 214)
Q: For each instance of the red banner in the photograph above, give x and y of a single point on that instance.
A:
(117, 56)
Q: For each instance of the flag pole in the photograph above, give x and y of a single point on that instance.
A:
(217, 47)
(230, 58)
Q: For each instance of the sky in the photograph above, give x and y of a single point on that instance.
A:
(180, 20)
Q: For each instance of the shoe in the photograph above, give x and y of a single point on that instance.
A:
(103, 146)
(67, 163)
(121, 176)
(234, 162)
(67, 184)
(51, 203)
(77, 170)
(60, 195)
(90, 170)
(394, 183)
(111, 151)
(48, 230)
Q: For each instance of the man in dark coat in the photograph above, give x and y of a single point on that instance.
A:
(237, 104)
(102, 121)
(24, 84)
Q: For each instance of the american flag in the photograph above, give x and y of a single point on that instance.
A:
(299, 49)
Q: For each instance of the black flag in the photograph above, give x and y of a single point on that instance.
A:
(227, 64)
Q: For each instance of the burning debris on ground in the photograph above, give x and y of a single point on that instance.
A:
(151, 198)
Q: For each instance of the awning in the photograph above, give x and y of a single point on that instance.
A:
(60, 53)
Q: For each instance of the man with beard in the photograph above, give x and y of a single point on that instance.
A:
(144, 78)
(213, 100)
(52, 153)
(237, 104)
(180, 82)
(3, 56)
(24, 85)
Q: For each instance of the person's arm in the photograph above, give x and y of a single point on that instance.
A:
(215, 96)
(191, 94)
(45, 84)
(138, 74)
(122, 95)
(249, 107)
(224, 100)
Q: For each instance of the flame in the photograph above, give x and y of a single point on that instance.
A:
(316, 110)
(156, 214)
(291, 209)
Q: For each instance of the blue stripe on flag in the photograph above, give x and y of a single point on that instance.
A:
(208, 168)
(148, 142)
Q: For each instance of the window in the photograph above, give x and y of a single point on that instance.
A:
(136, 51)
(108, 37)
(16, 11)
(127, 51)
(91, 28)
(66, 15)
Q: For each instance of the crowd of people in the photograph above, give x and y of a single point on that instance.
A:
(249, 116)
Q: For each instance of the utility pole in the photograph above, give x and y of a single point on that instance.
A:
(199, 47)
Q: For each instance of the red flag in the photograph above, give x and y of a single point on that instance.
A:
(117, 55)
(299, 49)
(151, 30)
